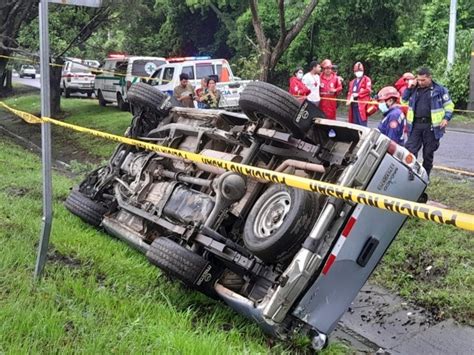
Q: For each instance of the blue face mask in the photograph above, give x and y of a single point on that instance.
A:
(383, 107)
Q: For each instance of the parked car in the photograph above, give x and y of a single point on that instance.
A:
(76, 77)
(166, 78)
(289, 259)
(118, 73)
(27, 70)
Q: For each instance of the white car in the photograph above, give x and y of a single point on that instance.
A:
(77, 76)
(117, 75)
(27, 70)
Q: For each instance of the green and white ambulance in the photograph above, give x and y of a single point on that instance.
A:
(118, 73)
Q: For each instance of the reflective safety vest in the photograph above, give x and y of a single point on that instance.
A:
(442, 106)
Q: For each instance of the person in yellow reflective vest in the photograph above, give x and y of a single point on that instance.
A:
(429, 110)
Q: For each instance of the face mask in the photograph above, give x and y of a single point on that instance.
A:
(383, 107)
(359, 74)
(299, 75)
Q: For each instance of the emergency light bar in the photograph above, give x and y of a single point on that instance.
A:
(183, 59)
(116, 56)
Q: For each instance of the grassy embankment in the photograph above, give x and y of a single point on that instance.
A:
(98, 295)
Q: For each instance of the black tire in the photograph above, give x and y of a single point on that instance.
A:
(279, 222)
(89, 95)
(181, 263)
(34, 76)
(122, 105)
(67, 93)
(261, 100)
(21, 76)
(102, 101)
(148, 97)
(82, 206)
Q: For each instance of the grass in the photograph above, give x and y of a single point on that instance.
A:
(98, 295)
(82, 112)
(432, 264)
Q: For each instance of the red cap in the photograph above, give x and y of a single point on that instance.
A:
(388, 92)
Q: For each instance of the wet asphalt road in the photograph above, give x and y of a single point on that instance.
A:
(456, 149)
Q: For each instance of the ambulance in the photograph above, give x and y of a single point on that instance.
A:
(166, 77)
(118, 73)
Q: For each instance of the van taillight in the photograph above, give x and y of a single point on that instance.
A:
(401, 154)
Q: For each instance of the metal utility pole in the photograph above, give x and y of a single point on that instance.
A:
(47, 219)
(452, 33)
(45, 140)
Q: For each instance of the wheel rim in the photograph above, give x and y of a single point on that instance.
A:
(272, 215)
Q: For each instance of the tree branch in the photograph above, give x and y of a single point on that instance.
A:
(257, 25)
(293, 32)
(281, 15)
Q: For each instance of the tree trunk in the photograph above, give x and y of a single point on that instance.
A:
(5, 78)
(55, 89)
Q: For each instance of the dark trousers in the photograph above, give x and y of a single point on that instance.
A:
(356, 115)
(423, 135)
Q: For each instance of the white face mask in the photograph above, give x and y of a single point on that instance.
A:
(299, 75)
(383, 107)
(359, 74)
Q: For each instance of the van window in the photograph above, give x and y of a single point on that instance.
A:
(145, 67)
(204, 69)
(121, 68)
(168, 75)
(109, 65)
(189, 71)
(156, 77)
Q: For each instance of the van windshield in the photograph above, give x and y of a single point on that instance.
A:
(204, 70)
(146, 67)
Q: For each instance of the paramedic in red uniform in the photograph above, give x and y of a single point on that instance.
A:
(358, 96)
(297, 87)
(330, 87)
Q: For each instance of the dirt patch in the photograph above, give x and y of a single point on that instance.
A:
(64, 147)
(57, 257)
(17, 191)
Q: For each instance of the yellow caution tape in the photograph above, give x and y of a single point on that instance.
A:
(388, 203)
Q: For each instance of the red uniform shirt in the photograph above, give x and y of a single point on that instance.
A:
(330, 87)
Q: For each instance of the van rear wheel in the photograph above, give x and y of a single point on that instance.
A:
(102, 101)
(279, 222)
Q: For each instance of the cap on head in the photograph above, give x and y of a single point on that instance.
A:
(326, 63)
(388, 92)
(358, 67)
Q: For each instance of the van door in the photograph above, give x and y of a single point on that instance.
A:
(107, 81)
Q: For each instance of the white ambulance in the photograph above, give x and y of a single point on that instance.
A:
(118, 73)
(166, 77)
